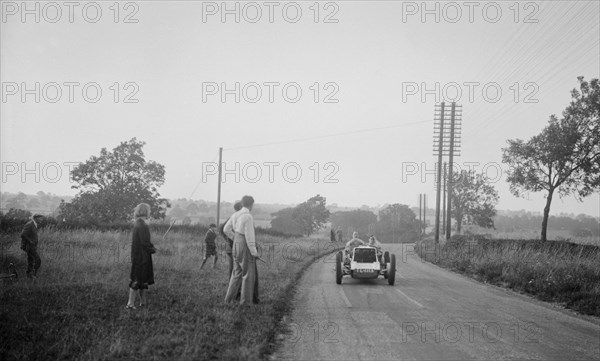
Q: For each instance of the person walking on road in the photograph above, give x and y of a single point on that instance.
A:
(29, 243)
(244, 254)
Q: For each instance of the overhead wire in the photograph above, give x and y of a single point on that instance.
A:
(490, 125)
(360, 131)
(200, 181)
(507, 63)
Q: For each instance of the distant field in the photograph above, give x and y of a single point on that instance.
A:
(76, 308)
(262, 223)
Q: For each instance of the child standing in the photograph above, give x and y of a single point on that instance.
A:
(210, 244)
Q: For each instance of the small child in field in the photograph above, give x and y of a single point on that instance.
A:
(210, 245)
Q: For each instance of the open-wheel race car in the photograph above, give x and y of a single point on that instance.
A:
(365, 262)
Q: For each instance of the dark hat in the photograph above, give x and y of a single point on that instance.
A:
(37, 215)
(212, 225)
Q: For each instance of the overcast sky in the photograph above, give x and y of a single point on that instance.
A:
(332, 95)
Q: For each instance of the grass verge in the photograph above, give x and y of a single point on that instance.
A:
(76, 308)
(561, 272)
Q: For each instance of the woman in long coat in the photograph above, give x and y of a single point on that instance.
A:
(142, 272)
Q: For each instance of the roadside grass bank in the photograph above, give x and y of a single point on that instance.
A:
(75, 309)
(553, 271)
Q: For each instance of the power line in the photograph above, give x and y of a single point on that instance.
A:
(328, 135)
(200, 181)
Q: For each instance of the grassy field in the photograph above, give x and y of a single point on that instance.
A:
(554, 271)
(552, 235)
(75, 309)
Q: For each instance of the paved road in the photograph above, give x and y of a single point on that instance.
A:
(429, 314)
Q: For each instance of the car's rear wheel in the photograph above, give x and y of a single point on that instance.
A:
(392, 270)
(338, 268)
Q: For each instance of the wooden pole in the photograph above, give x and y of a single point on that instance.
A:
(219, 187)
(424, 213)
(450, 175)
(439, 176)
(420, 218)
(444, 199)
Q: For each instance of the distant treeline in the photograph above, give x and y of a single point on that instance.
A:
(14, 220)
(45, 203)
(580, 226)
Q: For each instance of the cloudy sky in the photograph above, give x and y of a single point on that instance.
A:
(335, 98)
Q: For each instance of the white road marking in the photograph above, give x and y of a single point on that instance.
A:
(410, 299)
(346, 300)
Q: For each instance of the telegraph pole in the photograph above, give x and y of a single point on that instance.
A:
(440, 144)
(444, 199)
(446, 142)
(420, 219)
(219, 187)
(455, 127)
(424, 213)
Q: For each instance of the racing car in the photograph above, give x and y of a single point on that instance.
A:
(365, 262)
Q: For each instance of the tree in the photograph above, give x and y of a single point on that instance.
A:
(43, 198)
(312, 214)
(305, 218)
(474, 200)
(18, 214)
(17, 202)
(178, 212)
(193, 209)
(564, 157)
(112, 184)
(357, 220)
(203, 207)
(284, 222)
(397, 222)
(33, 204)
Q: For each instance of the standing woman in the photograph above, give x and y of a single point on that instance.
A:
(142, 273)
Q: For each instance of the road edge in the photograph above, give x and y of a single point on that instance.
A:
(284, 306)
(523, 296)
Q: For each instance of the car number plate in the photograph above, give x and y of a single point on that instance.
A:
(365, 270)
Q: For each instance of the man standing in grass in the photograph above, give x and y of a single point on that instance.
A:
(210, 245)
(244, 253)
(229, 246)
(29, 243)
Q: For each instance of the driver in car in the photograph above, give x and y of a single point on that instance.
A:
(373, 242)
(353, 243)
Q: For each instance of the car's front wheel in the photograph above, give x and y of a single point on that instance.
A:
(392, 270)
